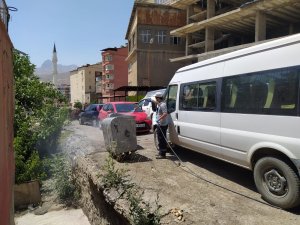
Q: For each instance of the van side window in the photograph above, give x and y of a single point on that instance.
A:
(171, 98)
(269, 92)
(198, 96)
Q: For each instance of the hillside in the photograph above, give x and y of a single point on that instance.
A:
(46, 69)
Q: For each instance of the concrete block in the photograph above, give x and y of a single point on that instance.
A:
(119, 134)
(26, 194)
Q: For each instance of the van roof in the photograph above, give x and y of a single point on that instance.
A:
(250, 50)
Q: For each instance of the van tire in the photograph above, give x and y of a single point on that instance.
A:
(277, 182)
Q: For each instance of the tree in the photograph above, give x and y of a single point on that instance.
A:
(40, 112)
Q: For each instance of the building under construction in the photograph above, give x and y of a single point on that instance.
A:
(215, 27)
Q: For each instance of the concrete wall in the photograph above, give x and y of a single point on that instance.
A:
(6, 128)
(152, 60)
(27, 193)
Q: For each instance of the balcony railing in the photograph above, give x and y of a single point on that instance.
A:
(4, 14)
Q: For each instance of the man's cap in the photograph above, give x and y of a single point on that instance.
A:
(158, 95)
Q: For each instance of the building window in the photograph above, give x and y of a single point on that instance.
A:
(129, 67)
(129, 45)
(109, 86)
(162, 2)
(175, 40)
(98, 78)
(146, 36)
(90, 87)
(162, 37)
(109, 76)
(109, 67)
(108, 58)
(133, 40)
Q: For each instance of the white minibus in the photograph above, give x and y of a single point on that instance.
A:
(243, 107)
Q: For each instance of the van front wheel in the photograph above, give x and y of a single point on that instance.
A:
(277, 182)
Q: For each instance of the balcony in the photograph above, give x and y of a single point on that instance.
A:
(4, 15)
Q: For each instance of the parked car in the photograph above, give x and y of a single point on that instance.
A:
(148, 103)
(143, 124)
(90, 114)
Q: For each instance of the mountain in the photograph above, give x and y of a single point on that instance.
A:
(46, 69)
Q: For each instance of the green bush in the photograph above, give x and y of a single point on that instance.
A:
(134, 98)
(40, 112)
(64, 181)
(78, 105)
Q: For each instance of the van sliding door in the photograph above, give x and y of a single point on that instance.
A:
(199, 117)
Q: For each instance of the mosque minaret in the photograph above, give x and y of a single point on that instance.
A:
(54, 62)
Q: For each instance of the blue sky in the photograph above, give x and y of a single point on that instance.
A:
(79, 28)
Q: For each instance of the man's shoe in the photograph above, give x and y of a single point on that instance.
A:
(160, 157)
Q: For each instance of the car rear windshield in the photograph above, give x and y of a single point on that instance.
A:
(127, 108)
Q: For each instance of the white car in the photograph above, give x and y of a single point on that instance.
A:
(148, 103)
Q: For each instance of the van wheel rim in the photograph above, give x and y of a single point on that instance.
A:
(275, 182)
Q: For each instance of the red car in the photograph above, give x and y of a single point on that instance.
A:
(143, 124)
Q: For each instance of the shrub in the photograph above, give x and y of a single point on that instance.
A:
(64, 181)
(78, 105)
(40, 112)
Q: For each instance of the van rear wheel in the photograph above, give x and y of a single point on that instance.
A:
(277, 182)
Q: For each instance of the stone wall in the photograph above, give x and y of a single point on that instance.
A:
(95, 202)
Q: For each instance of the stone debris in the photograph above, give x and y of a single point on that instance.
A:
(178, 213)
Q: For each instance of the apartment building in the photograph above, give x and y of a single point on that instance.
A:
(83, 83)
(7, 163)
(65, 90)
(150, 45)
(115, 73)
(215, 27)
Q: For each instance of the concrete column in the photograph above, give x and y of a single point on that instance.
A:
(189, 13)
(188, 41)
(210, 32)
(260, 26)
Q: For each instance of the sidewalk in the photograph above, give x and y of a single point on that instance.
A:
(61, 217)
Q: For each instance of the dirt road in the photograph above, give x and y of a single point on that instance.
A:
(208, 191)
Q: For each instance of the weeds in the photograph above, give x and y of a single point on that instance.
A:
(64, 182)
(140, 212)
(115, 178)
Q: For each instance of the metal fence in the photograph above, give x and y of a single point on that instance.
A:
(4, 15)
